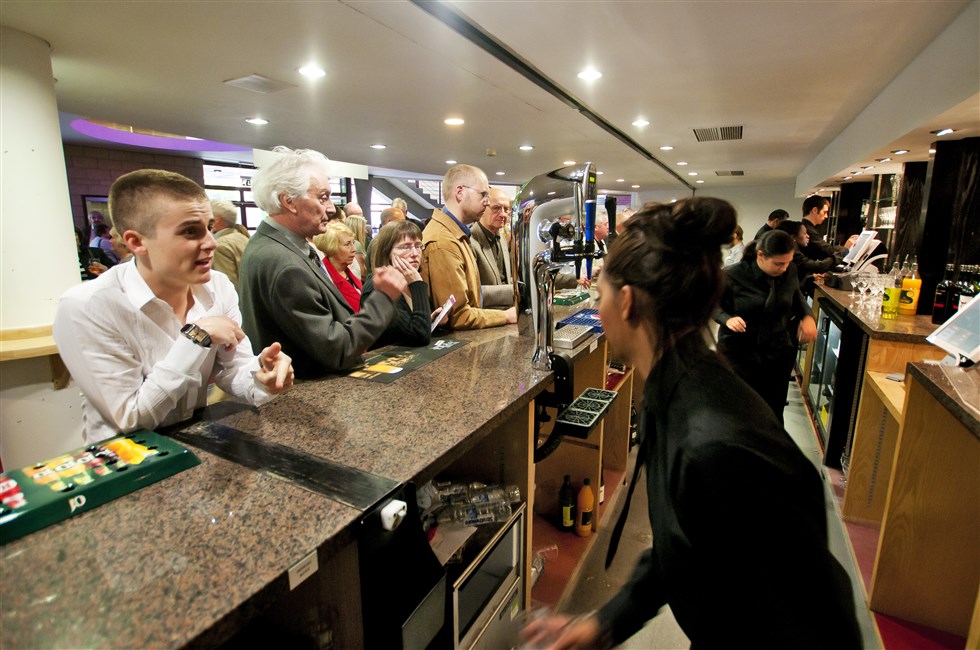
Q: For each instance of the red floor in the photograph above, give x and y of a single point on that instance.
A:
(896, 634)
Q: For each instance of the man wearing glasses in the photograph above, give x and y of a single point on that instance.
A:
(448, 264)
(492, 254)
(286, 292)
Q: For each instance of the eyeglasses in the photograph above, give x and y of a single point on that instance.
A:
(483, 195)
(501, 208)
(404, 248)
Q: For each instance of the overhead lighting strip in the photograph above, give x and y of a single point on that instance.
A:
(471, 31)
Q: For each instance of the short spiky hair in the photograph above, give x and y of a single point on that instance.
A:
(132, 198)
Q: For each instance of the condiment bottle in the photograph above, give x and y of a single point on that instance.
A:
(583, 511)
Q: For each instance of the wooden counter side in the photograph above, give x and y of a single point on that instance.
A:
(872, 454)
(927, 568)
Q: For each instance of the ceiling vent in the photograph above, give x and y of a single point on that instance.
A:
(259, 84)
(734, 172)
(715, 133)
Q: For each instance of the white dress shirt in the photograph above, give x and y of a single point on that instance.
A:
(123, 346)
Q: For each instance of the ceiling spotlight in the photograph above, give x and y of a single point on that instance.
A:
(942, 132)
(864, 167)
(501, 173)
(640, 122)
(635, 187)
(932, 151)
(600, 173)
(699, 181)
(454, 121)
(899, 152)
(312, 71)
(569, 162)
(692, 173)
(666, 147)
(847, 178)
(526, 147)
(681, 162)
(450, 162)
(379, 146)
(620, 180)
(258, 121)
(589, 74)
(883, 159)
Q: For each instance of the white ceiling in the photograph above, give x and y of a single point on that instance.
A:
(793, 74)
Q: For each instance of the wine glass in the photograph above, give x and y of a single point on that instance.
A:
(863, 279)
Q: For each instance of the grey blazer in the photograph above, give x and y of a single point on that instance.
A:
(286, 298)
(495, 293)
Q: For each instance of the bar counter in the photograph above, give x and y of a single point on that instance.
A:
(902, 328)
(193, 557)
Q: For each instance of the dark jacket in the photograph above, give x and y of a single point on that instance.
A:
(286, 298)
(410, 325)
(738, 517)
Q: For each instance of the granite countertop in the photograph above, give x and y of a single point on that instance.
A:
(906, 329)
(935, 381)
(162, 566)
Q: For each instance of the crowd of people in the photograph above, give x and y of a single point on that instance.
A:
(310, 291)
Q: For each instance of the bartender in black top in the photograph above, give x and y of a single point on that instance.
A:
(764, 317)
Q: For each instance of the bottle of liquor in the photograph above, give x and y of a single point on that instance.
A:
(583, 511)
(908, 302)
(566, 503)
(602, 487)
(474, 514)
(893, 290)
(969, 283)
(947, 298)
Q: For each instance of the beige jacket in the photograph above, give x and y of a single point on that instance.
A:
(449, 268)
(228, 254)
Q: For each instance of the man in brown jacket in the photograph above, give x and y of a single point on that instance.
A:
(448, 264)
(231, 240)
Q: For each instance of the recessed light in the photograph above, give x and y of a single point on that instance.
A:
(312, 71)
(899, 152)
(258, 121)
(501, 173)
(883, 159)
(454, 121)
(379, 146)
(864, 167)
(552, 193)
(699, 181)
(692, 173)
(620, 180)
(600, 173)
(640, 122)
(635, 187)
(942, 132)
(666, 147)
(932, 151)
(450, 162)
(569, 162)
(589, 74)
(681, 162)
(857, 173)
(526, 147)
(847, 178)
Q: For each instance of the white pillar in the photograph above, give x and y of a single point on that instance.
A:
(38, 259)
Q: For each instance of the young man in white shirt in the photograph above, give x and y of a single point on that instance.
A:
(144, 339)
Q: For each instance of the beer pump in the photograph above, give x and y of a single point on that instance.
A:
(552, 224)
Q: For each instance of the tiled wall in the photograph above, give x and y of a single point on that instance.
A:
(91, 171)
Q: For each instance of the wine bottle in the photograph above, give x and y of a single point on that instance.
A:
(583, 511)
(566, 504)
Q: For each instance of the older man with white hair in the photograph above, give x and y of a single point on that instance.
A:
(286, 292)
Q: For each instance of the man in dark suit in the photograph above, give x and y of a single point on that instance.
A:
(492, 254)
(286, 294)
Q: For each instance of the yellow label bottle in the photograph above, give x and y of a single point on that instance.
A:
(583, 511)
(908, 301)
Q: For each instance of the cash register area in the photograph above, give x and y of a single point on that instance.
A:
(853, 545)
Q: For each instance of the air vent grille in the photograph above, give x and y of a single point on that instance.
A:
(734, 172)
(716, 133)
(259, 84)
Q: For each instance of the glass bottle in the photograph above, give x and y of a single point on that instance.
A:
(908, 302)
(583, 511)
(947, 298)
(893, 290)
(566, 503)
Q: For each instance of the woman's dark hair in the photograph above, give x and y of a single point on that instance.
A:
(791, 228)
(774, 242)
(672, 253)
(388, 237)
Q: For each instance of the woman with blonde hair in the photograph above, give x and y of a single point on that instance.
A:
(337, 244)
(357, 225)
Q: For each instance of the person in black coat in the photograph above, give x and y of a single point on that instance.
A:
(764, 317)
(806, 268)
(399, 245)
(737, 511)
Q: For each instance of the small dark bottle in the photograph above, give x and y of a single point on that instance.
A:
(634, 425)
(947, 298)
(566, 504)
